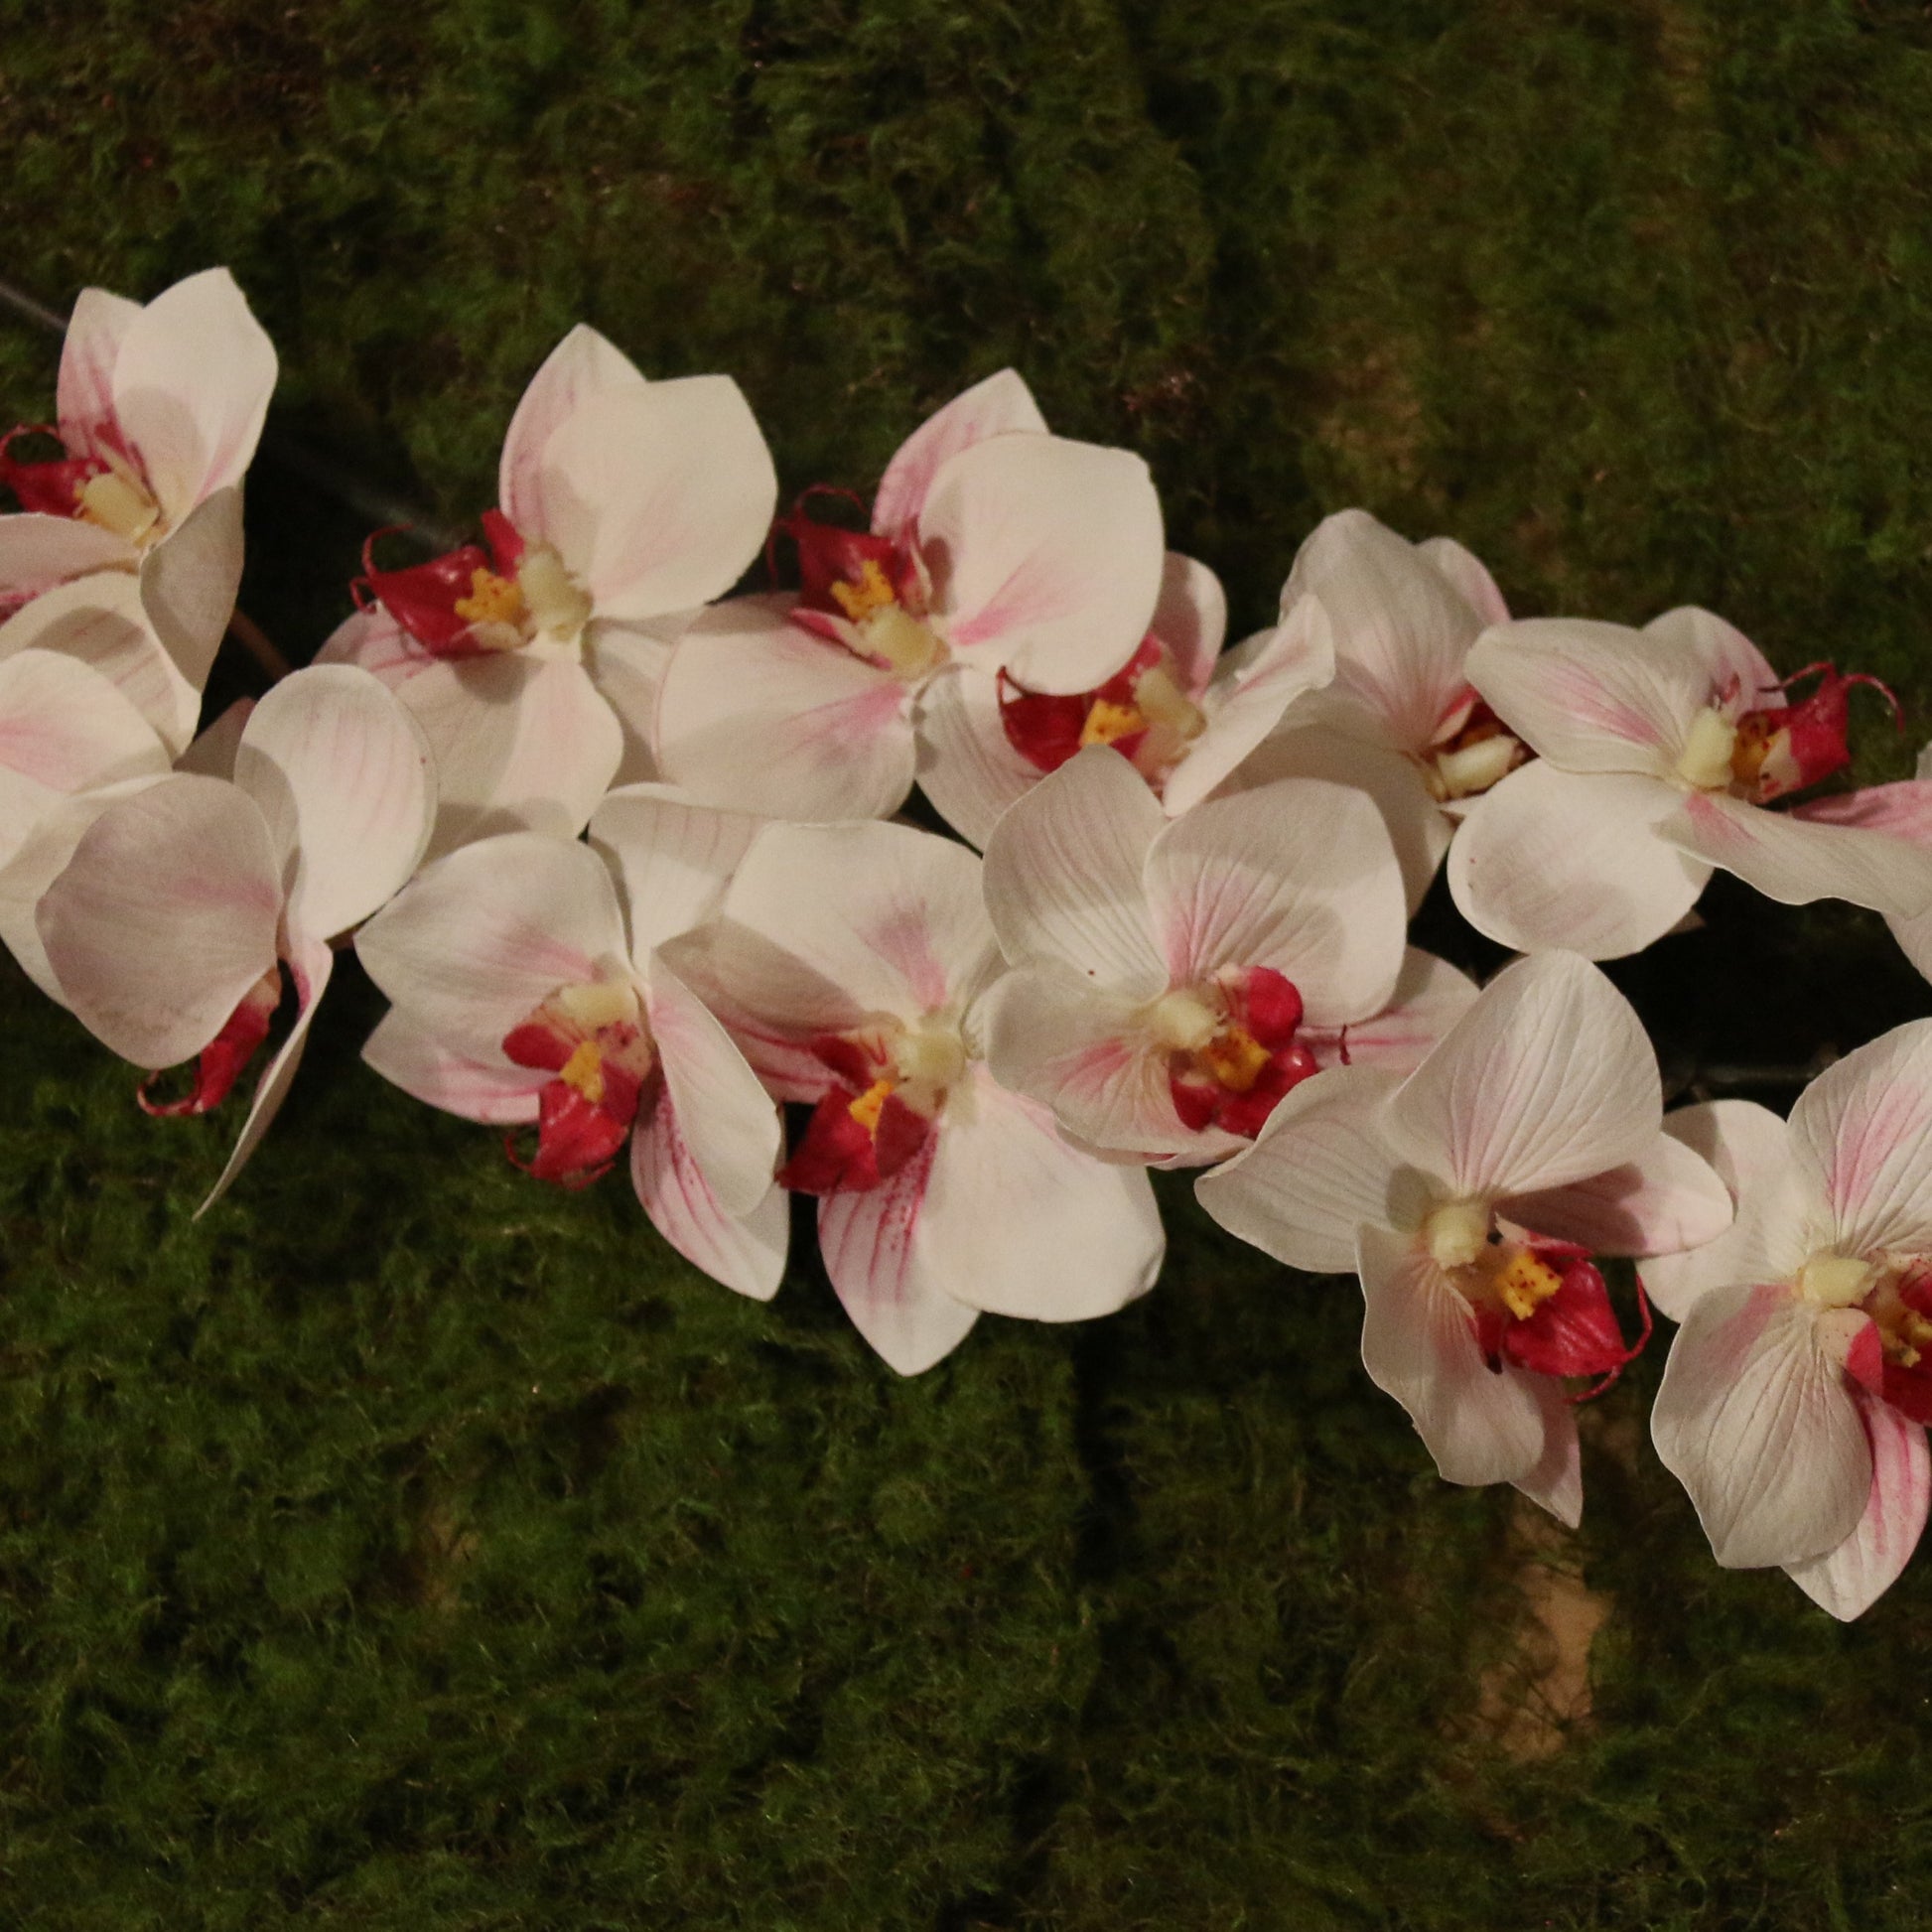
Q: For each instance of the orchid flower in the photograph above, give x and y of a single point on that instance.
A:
(1400, 720)
(158, 412)
(530, 988)
(1168, 972)
(1182, 710)
(167, 929)
(1794, 1403)
(532, 659)
(994, 548)
(1658, 752)
(852, 963)
(1470, 1200)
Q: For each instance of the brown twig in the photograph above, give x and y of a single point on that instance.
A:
(256, 642)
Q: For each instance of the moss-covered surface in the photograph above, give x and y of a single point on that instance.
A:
(407, 1546)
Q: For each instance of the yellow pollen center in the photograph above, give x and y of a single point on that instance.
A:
(491, 599)
(871, 1104)
(1832, 1281)
(584, 1070)
(1523, 1280)
(1705, 761)
(117, 502)
(873, 591)
(1107, 722)
(1235, 1059)
(1455, 1233)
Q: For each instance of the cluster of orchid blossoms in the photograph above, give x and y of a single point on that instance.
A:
(620, 849)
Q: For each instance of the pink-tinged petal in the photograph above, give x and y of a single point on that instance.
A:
(1047, 558)
(517, 742)
(40, 858)
(213, 753)
(85, 399)
(310, 966)
(189, 582)
(64, 728)
(165, 915)
(1015, 1221)
(1576, 860)
(1080, 1050)
(1589, 696)
(1666, 1200)
(37, 552)
(627, 663)
(758, 712)
(1430, 997)
(1419, 1344)
(1756, 1419)
(341, 773)
(1341, 743)
(482, 937)
(1861, 1144)
(1556, 1483)
(1252, 687)
(728, 1122)
(1401, 630)
(968, 768)
(747, 1253)
(1002, 405)
(1748, 1149)
(656, 498)
(1467, 577)
(1732, 666)
(419, 1063)
(1904, 810)
(1065, 875)
(673, 857)
(1190, 620)
(1299, 877)
(191, 385)
(584, 366)
(1850, 1578)
(1548, 1079)
(857, 918)
(1320, 1169)
(99, 622)
(373, 640)
(1796, 861)
(877, 1265)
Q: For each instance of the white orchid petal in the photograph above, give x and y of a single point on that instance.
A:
(1191, 621)
(657, 498)
(409, 1056)
(189, 582)
(214, 750)
(673, 856)
(878, 1269)
(85, 398)
(1401, 629)
(1419, 1344)
(1732, 664)
(1796, 861)
(1666, 1200)
(1746, 1145)
(1430, 997)
(1849, 1579)
(762, 713)
(376, 641)
(999, 406)
(192, 384)
(1299, 877)
(1555, 1480)
(66, 728)
(1065, 874)
(968, 768)
(1589, 696)
(1047, 558)
(165, 915)
(1756, 1419)
(1548, 1078)
(487, 934)
(584, 366)
(1320, 1169)
(38, 551)
(1467, 577)
(1862, 1143)
(627, 663)
(745, 1253)
(1567, 859)
(727, 1121)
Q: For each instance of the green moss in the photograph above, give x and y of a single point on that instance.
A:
(404, 1545)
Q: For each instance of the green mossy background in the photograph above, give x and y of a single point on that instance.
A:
(407, 1546)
